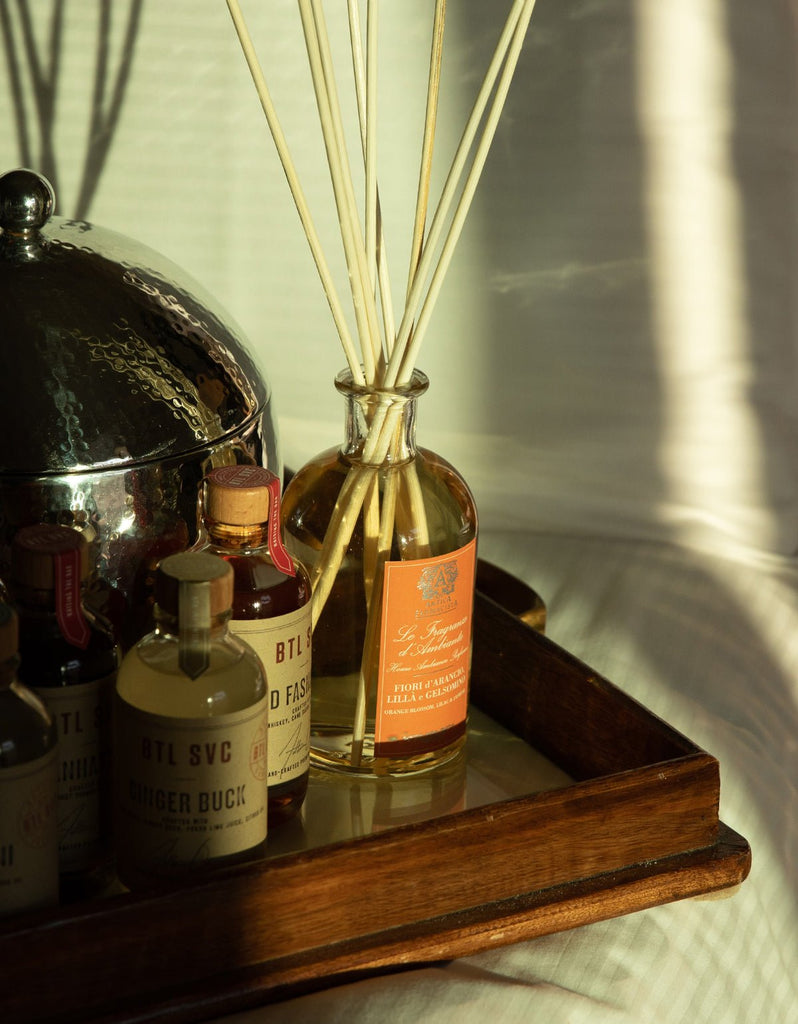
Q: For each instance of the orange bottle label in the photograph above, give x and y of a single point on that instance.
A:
(425, 645)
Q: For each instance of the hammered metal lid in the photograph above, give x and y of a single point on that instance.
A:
(112, 355)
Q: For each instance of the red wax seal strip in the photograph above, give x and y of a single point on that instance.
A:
(68, 609)
(248, 483)
(277, 549)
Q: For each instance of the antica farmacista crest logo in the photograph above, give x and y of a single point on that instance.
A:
(438, 580)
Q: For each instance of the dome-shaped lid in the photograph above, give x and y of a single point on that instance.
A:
(111, 354)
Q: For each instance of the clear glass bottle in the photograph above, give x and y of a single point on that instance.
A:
(388, 532)
(271, 612)
(28, 786)
(190, 733)
(70, 658)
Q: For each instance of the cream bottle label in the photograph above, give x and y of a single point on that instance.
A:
(28, 835)
(425, 645)
(283, 644)
(81, 714)
(189, 790)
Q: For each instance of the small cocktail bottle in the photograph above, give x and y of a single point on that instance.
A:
(28, 786)
(271, 611)
(70, 658)
(190, 733)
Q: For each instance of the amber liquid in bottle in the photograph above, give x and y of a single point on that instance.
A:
(271, 611)
(340, 631)
(340, 634)
(261, 591)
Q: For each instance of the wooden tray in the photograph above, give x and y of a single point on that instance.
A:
(635, 825)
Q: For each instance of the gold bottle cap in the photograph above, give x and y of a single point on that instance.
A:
(9, 632)
(238, 495)
(197, 572)
(34, 549)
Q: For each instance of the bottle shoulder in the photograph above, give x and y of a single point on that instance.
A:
(150, 678)
(434, 504)
(47, 659)
(260, 589)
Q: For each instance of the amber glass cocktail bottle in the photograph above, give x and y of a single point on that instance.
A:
(70, 658)
(271, 611)
(28, 786)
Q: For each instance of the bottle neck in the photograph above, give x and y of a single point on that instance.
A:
(236, 538)
(42, 610)
(35, 599)
(168, 625)
(194, 641)
(380, 423)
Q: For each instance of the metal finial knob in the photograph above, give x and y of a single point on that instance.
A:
(26, 201)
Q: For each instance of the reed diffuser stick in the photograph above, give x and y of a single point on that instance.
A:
(374, 616)
(452, 186)
(410, 355)
(359, 71)
(430, 122)
(371, 530)
(323, 76)
(365, 80)
(283, 152)
(372, 25)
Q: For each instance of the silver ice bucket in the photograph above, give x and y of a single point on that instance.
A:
(122, 385)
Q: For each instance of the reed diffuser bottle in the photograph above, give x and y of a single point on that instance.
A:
(191, 724)
(271, 612)
(388, 531)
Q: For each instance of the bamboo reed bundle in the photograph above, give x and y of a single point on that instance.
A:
(384, 356)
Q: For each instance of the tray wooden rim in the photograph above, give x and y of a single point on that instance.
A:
(597, 868)
(699, 873)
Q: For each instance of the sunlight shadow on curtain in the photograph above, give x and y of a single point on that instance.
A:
(710, 439)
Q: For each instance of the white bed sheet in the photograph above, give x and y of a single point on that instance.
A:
(709, 643)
